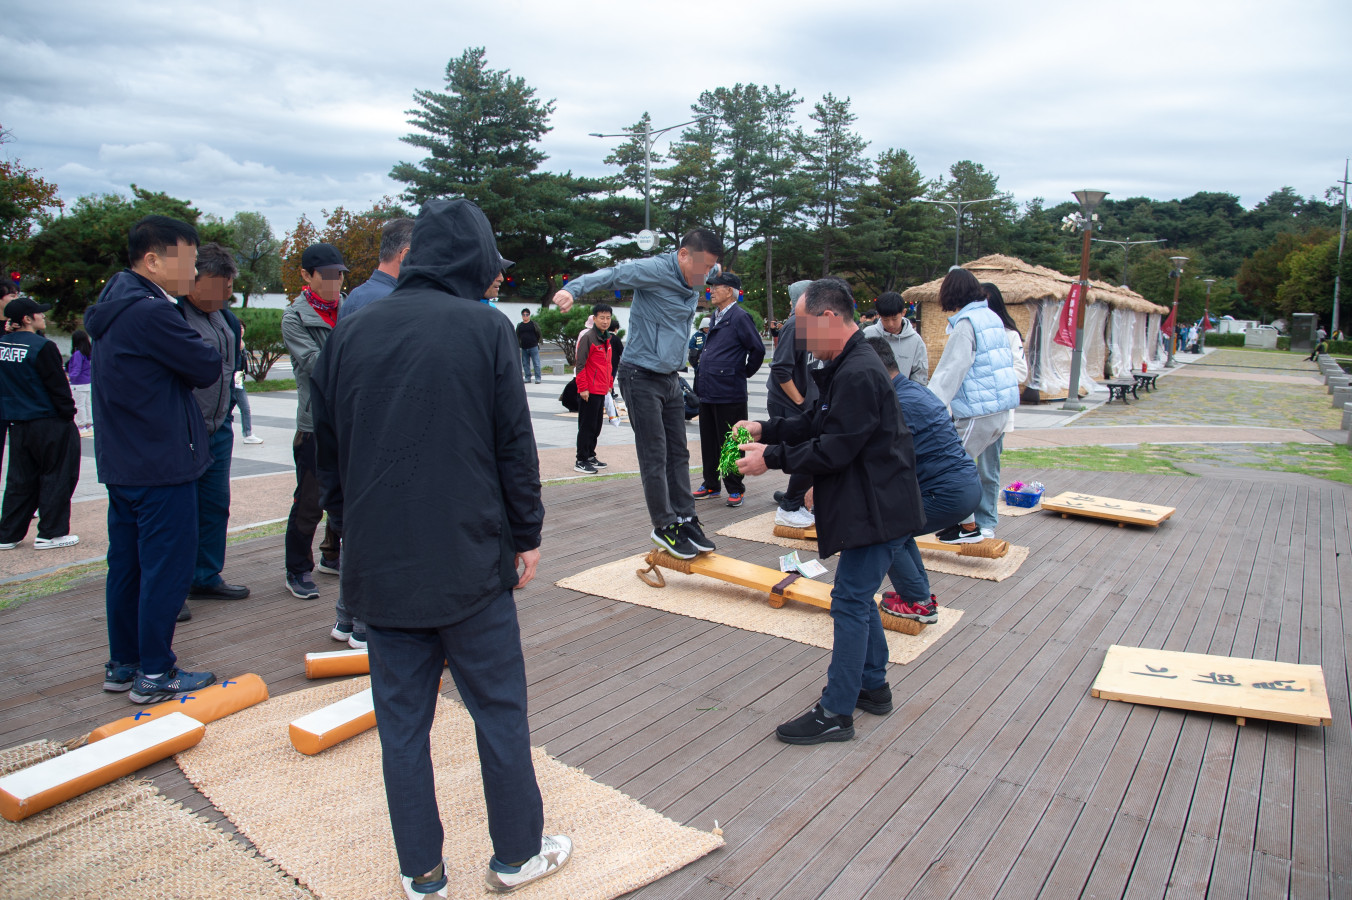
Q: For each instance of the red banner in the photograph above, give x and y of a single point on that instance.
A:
(1167, 326)
(1065, 332)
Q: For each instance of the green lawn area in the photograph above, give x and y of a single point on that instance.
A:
(1327, 461)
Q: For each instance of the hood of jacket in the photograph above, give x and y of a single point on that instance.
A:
(877, 330)
(453, 250)
(122, 290)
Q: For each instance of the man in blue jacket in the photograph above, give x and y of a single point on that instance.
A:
(733, 352)
(152, 446)
(659, 321)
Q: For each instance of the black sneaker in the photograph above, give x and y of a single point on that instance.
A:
(329, 566)
(956, 535)
(168, 686)
(674, 540)
(302, 586)
(596, 463)
(816, 727)
(695, 534)
(779, 497)
(584, 467)
(878, 701)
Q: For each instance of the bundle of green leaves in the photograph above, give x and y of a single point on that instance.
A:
(728, 456)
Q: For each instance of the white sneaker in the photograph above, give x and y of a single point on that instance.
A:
(988, 533)
(555, 851)
(9, 546)
(252, 439)
(801, 517)
(66, 540)
(412, 891)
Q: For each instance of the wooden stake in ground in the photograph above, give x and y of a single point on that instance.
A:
(779, 586)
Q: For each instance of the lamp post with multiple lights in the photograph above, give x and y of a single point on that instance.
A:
(1088, 201)
(1126, 252)
(957, 206)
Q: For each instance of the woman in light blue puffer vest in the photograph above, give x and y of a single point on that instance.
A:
(975, 379)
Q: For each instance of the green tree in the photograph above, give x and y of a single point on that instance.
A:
(263, 344)
(892, 239)
(1308, 285)
(687, 191)
(24, 199)
(561, 329)
(834, 162)
(1263, 272)
(984, 225)
(256, 254)
(629, 157)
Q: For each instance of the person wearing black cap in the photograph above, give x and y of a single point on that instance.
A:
(44, 462)
(306, 326)
(733, 352)
(8, 291)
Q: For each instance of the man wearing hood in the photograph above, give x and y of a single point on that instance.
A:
(426, 376)
(152, 447)
(907, 345)
(659, 323)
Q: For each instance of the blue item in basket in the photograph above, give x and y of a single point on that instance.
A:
(1025, 499)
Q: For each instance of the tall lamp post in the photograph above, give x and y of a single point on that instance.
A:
(1126, 252)
(1088, 201)
(1342, 239)
(1177, 275)
(957, 206)
(649, 138)
(1206, 314)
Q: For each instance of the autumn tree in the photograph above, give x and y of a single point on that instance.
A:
(24, 198)
(356, 235)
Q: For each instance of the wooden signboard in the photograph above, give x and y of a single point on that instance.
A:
(1228, 685)
(1122, 512)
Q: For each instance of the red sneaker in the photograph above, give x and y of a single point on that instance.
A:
(926, 613)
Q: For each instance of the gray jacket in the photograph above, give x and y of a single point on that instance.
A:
(305, 333)
(662, 312)
(908, 347)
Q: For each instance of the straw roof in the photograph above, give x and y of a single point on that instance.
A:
(1021, 282)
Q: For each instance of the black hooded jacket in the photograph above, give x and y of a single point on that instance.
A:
(424, 436)
(855, 443)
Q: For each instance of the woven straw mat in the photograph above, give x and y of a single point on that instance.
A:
(1004, 509)
(124, 840)
(324, 818)
(762, 530)
(702, 597)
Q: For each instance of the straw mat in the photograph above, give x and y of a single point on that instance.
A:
(124, 840)
(762, 530)
(1004, 509)
(702, 597)
(324, 818)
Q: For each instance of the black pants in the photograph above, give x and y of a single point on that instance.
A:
(590, 414)
(306, 511)
(797, 490)
(44, 466)
(714, 421)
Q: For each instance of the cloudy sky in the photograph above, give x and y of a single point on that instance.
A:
(297, 107)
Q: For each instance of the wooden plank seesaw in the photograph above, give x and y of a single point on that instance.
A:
(1123, 512)
(987, 548)
(779, 586)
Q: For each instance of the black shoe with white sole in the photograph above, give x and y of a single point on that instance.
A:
(673, 539)
(596, 463)
(695, 535)
(958, 535)
(584, 467)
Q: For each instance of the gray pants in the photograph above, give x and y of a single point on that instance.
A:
(657, 414)
(977, 435)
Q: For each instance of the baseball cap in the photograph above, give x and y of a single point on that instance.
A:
(24, 306)
(321, 256)
(726, 278)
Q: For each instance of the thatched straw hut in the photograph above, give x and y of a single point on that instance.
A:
(1121, 327)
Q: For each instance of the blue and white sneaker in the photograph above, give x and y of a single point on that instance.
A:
(168, 686)
(118, 678)
(433, 884)
(555, 851)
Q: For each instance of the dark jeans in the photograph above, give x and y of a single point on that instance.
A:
(858, 648)
(306, 513)
(529, 356)
(798, 484)
(714, 421)
(152, 539)
(945, 506)
(590, 414)
(213, 509)
(44, 467)
(657, 414)
(484, 655)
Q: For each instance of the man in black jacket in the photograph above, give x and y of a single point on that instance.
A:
(426, 452)
(857, 447)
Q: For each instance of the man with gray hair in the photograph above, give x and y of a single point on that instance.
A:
(395, 236)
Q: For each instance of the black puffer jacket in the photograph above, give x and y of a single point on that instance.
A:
(855, 444)
(424, 436)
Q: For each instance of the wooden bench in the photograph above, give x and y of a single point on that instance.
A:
(1117, 390)
(1145, 380)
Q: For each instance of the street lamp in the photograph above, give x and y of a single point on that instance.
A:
(1126, 252)
(1206, 315)
(1088, 200)
(957, 206)
(1177, 275)
(648, 140)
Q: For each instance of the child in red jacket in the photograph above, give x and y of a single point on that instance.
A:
(594, 378)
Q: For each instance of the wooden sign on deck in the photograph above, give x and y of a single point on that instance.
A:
(1228, 685)
(1122, 512)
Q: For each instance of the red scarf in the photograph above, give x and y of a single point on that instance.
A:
(328, 311)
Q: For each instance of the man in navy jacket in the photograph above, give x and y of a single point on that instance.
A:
(152, 446)
(733, 352)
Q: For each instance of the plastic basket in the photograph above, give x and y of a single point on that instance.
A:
(1025, 499)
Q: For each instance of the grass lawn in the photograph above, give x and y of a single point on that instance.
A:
(1327, 461)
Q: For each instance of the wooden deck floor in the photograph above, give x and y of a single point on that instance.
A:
(996, 775)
